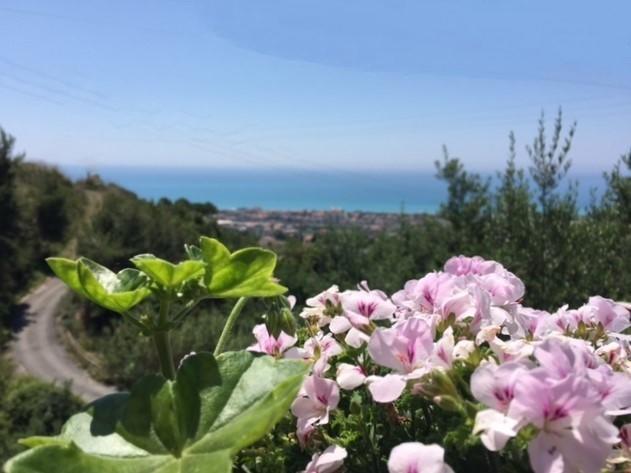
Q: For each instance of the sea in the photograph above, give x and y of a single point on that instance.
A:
(295, 189)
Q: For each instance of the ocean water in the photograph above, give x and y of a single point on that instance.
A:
(412, 192)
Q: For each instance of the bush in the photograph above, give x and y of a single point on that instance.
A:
(30, 407)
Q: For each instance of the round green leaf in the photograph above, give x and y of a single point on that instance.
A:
(245, 273)
(166, 273)
(118, 292)
(214, 408)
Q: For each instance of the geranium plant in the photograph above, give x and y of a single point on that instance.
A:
(190, 419)
(451, 373)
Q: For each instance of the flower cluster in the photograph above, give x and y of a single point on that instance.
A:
(559, 382)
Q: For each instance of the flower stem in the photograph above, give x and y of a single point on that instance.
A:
(165, 354)
(162, 341)
(227, 328)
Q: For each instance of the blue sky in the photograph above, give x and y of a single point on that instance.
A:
(360, 85)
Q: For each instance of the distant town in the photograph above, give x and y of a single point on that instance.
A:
(277, 225)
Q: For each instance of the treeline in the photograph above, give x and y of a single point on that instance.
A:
(38, 208)
(531, 222)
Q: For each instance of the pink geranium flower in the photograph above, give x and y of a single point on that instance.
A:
(494, 386)
(360, 309)
(267, 343)
(318, 349)
(573, 432)
(316, 399)
(405, 348)
(465, 266)
(422, 295)
(446, 351)
(612, 316)
(328, 461)
(350, 376)
(322, 306)
(415, 457)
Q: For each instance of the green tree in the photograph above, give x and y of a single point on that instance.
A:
(9, 213)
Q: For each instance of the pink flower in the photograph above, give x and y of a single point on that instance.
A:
(465, 266)
(267, 343)
(318, 349)
(415, 457)
(612, 316)
(614, 389)
(328, 461)
(350, 376)
(494, 386)
(495, 428)
(565, 320)
(323, 306)
(317, 398)
(511, 350)
(471, 304)
(529, 322)
(446, 350)
(613, 353)
(504, 287)
(574, 435)
(304, 431)
(360, 307)
(422, 295)
(404, 348)
(583, 445)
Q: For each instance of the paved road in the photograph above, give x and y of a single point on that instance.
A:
(37, 349)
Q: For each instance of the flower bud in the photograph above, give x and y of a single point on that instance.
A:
(279, 317)
(448, 403)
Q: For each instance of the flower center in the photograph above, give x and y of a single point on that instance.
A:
(366, 308)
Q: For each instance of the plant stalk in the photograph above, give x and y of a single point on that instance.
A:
(162, 342)
(165, 354)
(227, 328)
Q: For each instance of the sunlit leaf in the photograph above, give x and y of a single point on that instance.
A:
(166, 273)
(248, 272)
(198, 422)
(66, 270)
(118, 292)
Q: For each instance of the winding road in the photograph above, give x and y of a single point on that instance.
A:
(37, 349)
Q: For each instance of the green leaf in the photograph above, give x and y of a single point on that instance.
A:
(244, 273)
(66, 270)
(198, 422)
(166, 273)
(118, 292)
(214, 253)
(193, 252)
(71, 459)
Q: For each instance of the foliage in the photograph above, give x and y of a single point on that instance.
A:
(527, 218)
(454, 359)
(532, 222)
(30, 407)
(349, 255)
(9, 227)
(196, 417)
(37, 205)
(210, 411)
